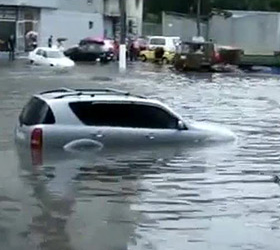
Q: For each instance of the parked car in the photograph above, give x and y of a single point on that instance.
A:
(195, 56)
(165, 42)
(94, 119)
(149, 55)
(91, 50)
(50, 57)
(206, 56)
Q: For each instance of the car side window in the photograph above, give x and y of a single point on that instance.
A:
(39, 52)
(123, 115)
(44, 54)
(36, 112)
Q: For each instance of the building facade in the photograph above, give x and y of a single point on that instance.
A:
(70, 19)
(134, 12)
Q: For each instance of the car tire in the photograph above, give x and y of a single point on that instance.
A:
(143, 58)
(165, 61)
(51, 65)
(31, 62)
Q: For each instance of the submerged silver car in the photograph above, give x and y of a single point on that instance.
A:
(94, 119)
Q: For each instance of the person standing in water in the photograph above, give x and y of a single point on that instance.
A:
(50, 41)
(11, 47)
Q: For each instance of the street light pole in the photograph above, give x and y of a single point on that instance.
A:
(198, 18)
(122, 50)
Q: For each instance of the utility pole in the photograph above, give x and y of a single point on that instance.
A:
(198, 18)
(122, 50)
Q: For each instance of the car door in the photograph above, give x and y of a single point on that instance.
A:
(38, 56)
(44, 58)
(129, 124)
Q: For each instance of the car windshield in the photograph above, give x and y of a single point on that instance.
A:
(54, 54)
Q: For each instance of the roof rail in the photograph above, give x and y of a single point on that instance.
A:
(64, 92)
(107, 90)
(57, 91)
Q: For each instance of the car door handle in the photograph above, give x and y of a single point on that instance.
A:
(98, 135)
(150, 137)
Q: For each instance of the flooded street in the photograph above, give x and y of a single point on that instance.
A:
(220, 197)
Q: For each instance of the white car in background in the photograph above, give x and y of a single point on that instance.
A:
(168, 43)
(50, 57)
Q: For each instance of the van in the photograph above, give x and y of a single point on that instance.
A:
(168, 43)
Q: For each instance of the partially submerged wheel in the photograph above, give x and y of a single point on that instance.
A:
(165, 60)
(143, 58)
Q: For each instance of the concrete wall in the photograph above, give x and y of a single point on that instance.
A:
(181, 25)
(34, 3)
(151, 29)
(255, 32)
(72, 25)
(96, 6)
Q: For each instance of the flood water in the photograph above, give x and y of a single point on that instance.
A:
(221, 197)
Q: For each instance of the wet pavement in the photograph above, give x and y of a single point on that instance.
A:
(219, 197)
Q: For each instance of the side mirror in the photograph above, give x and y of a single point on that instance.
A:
(181, 125)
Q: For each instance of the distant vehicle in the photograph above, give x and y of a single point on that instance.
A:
(93, 119)
(91, 50)
(197, 55)
(165, 42)
(149, 55)
(50, 57)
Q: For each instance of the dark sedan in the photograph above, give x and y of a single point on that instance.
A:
(90, 51)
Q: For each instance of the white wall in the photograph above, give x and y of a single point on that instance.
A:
(81, 5)
(72, 25)
(255, 32)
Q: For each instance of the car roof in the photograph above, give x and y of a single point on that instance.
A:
(47, 49)
(106, 94)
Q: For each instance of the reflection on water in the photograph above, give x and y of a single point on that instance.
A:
(216, 197)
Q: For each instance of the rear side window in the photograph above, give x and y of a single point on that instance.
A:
(157, 41)
(39, 52)
(123, 115)
(36, 112)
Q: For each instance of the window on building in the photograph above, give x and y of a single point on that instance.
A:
(90, 25)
